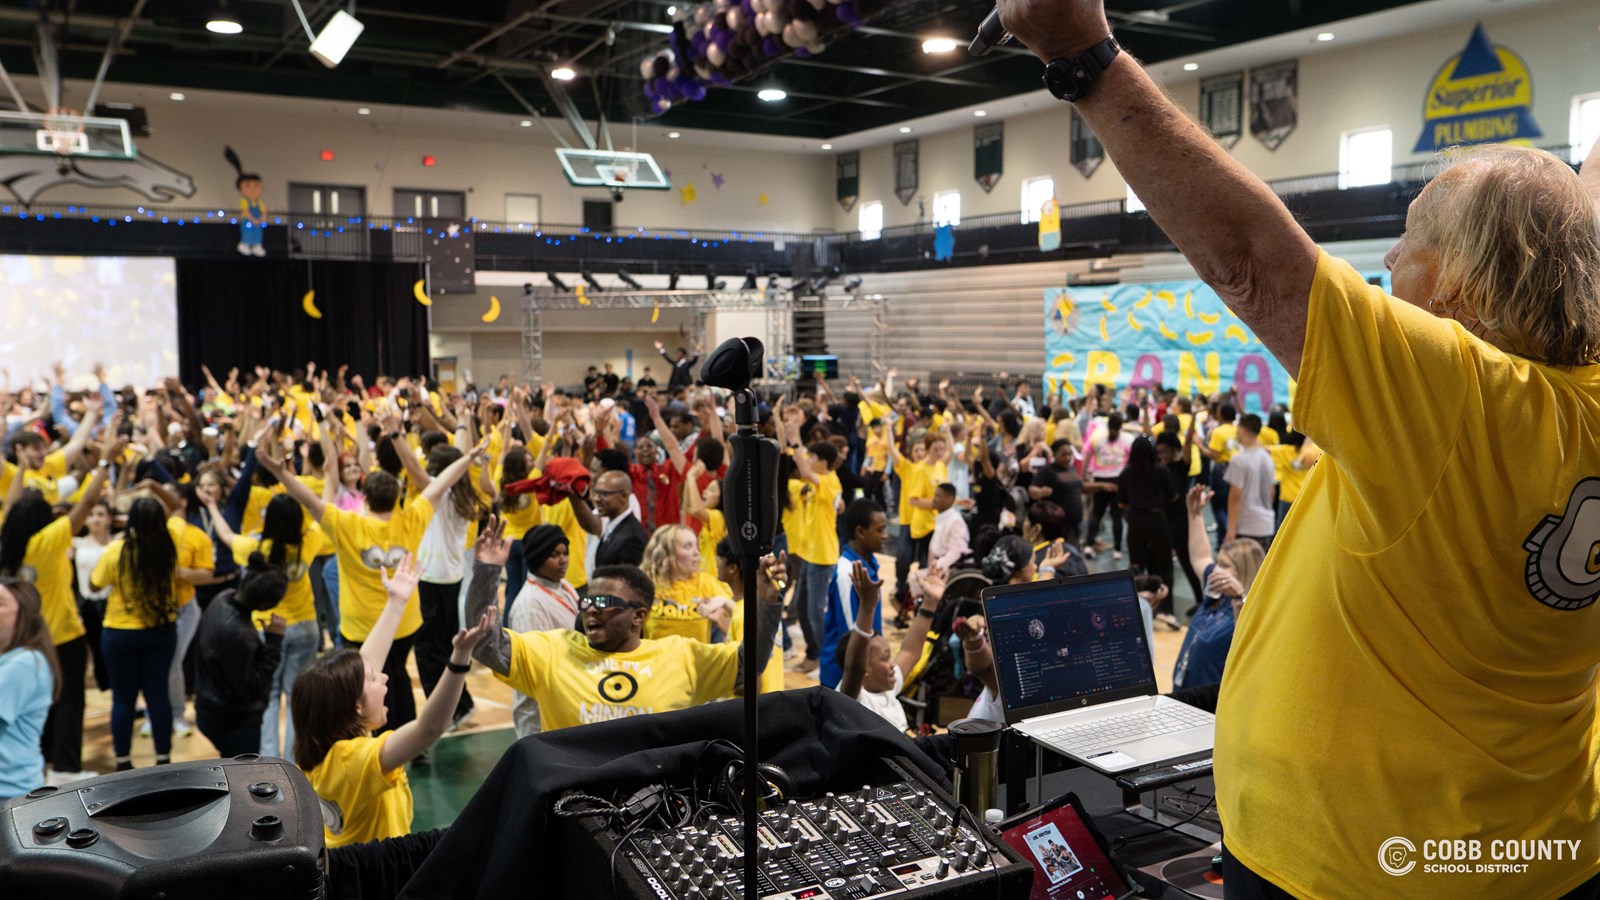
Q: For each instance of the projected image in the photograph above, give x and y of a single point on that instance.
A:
(79, 310)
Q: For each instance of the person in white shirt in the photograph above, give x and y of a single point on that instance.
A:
(1022, 402)
(950, 536)
(1251, 475)
(442, 559)
(546, 602)
(873, 674)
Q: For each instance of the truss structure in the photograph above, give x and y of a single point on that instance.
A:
(779, 306)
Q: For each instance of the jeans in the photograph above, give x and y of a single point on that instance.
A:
(188, 623)
(516, 577)
(1219, 498)
(139, 660)
(232, 737)
(440, 622)
(811, 600)
(330, 583)
(327, 611)
(401, 702)
(63, 729)
(300, 643)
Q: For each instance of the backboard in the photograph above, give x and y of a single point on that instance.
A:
(65, 134)
(611, 169)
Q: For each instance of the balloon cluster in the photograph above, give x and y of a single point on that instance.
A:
(724, 41)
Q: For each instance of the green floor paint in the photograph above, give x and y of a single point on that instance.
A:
(441, 789)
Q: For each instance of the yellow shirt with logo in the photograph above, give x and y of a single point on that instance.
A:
(816, 539)
(361, 802)
(298, 604)
(677, 607)
(48, 556)
(1440, 684)
(1222, 441)
(364, 544)
(42, 479)
(120, 613)
(575, 684)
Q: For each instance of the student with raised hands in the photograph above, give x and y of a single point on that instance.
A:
(873, 674)
(365, 544)
(356, 768)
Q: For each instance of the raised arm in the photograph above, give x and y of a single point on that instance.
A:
(668, 439)
(769, 611)
(110, 452)
(453, 473)
(1230, 226)
(861, 633)
(976, 652)
(917, 633)
(1199, 543)
(694, 503)
(490, 554)
(399, 587)
(220, 523)
(267, 458)
(433, 718)
(73, 451)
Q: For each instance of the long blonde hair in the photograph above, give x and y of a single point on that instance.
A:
(1518, 240)
(661, 555)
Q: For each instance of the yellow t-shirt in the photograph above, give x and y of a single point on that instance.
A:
(772, 675)
(1450, 651)
(794, 515)
(871, 411)
(919, 480)
(1292, 466)
(561, 516)
(518, 521)
(42, 479)
(314, 482)
(47, 556)
(361, 802)
(1183, 428)
(877, 453)
(255, 508)
(575, 684)
(1222, 441)
(1269, 436)
(119, 612)
(195, 551)
(820, 524)
(711, 534)
(364, 544)
(677, 607)
(298, 604)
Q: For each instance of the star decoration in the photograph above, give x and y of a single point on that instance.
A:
(717, 180)
(762, 200)
(688, 193)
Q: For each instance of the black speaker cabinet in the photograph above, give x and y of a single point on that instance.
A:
(241, 828)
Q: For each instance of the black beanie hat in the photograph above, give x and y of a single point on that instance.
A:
(538, 544)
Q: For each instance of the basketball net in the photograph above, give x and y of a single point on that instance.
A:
(62, 133)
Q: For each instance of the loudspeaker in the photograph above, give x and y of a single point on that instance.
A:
(248, 827)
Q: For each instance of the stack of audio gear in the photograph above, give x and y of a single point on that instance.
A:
(904, 837)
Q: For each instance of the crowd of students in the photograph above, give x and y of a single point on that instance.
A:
(292, 540)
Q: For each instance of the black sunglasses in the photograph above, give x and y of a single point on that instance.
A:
(605, 601)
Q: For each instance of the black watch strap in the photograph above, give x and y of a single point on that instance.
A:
(459, 670)
(1071, 78)
(924, 611)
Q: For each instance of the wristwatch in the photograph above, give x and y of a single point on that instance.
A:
(1070, 78)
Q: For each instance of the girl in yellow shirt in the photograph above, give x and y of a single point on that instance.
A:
(338, 701)
(139, 636)
(685, 595)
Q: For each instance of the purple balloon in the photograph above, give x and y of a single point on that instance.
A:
(771, 46)
(802, 53)
(695, 92)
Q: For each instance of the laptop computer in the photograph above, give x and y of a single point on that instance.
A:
(1075, 674)
(1069, 854)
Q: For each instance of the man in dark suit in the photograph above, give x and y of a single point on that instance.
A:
(682, 366)
(622, 536)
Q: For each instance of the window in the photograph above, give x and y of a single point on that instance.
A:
(1035, 193)
(870, 221)
(327, 199)
(1133, 204)
(1585, 125)
(947, 208)
(425, 204)
(1366, 157)
(522, 210)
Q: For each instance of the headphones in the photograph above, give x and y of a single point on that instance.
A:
(729, 784)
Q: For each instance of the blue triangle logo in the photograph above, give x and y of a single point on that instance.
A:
(1479, 57)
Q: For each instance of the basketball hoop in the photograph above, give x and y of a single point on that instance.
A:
(63, 132)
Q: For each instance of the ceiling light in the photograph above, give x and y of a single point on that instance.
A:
(672, 11)
(1325, 37)
(1191, 67)
(905, 129)
(939, 45)
(222, 21)
(563, 73)
(827, 146)
(526, 123)
(336, 38)
(176, 95)
(674, 135)
(364, 111)
(771, 95)
(980, 113)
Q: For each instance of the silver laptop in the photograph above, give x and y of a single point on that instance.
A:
(1075, 674)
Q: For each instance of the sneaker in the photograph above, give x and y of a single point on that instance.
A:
(182, 728)
(57, 779)
(807, 666)
(144, 730)
(243, 248)
(1116, 556)
(1169, 620)
(258, 250)
(1212, 527)
(461, 720)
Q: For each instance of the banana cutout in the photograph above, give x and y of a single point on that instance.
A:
(1104, 334)
(1169, 298)
(309, 304)
(1062, 361)
(1235, 333)
(420, 291)
(1107, 305)
(1210, 318)
(1188, 304)
(1166, 332)
(1200, 338)
(1134, 323)
(655, 314)
(583, 296)
(1144, 301)
(494, 309)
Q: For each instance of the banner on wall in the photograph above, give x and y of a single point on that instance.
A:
(1275, 102)
(988, 154)
(1087, 153)
(905, 170)
(1222, 108)
(847, 179)
(1482, 94)
(1049, 226)
(1175, 334)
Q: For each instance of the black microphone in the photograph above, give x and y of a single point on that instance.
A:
(991, 34)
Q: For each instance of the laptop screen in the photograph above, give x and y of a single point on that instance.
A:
(1068, 644)
(1068, 861)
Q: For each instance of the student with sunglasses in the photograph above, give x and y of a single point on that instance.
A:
(608, 670)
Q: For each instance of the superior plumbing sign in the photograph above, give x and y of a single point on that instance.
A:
(1482, 94)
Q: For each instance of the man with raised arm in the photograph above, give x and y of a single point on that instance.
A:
(1416, 664)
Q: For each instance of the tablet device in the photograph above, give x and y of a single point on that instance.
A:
(1069, 855)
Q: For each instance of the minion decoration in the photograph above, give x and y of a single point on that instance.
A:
(252, 214)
